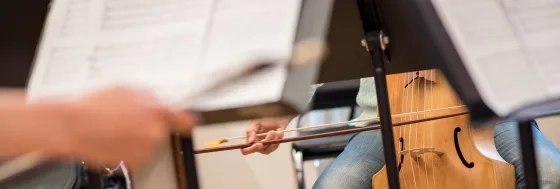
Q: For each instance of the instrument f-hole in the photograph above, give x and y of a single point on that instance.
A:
(458, 148)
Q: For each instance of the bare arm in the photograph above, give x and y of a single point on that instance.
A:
(103, 128)
(30, 127)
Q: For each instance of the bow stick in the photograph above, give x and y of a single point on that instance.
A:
(328, 134)
(216, 143)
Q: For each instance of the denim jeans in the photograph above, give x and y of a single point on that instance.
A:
(363, 157)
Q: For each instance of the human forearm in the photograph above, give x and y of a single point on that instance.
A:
(33, 127)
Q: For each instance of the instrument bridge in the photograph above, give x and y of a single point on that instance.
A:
(416, 152)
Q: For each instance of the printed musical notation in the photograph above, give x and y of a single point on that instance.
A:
(169, 45)
(155, 55)
(510, 48)
(62, 67)
(536, 18)
(539, 26)
(76, 18)
(126, 14)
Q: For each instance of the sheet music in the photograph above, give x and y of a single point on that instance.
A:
(171, 46)
(511, 48)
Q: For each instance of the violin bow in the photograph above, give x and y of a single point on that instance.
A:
(214, 145)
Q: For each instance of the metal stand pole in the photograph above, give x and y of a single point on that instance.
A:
(528, 152)
(373, 39)
(190, 163)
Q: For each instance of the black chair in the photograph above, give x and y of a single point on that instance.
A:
(328, 96)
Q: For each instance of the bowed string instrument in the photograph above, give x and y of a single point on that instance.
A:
(435, 146)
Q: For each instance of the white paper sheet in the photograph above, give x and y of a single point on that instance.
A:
(171, 46)
(511, 48)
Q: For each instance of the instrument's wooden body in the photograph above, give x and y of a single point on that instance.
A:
(434, 151)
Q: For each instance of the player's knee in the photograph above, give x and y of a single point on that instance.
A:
(342, 180)
(331, 179)
(344, 176)
(328, 183)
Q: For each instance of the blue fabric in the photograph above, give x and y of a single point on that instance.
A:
(363, 157)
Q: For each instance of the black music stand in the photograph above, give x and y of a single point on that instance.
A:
(353, 21)
(416, 27)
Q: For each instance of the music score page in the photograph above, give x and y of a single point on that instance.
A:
(511, 48)
(170, 46)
